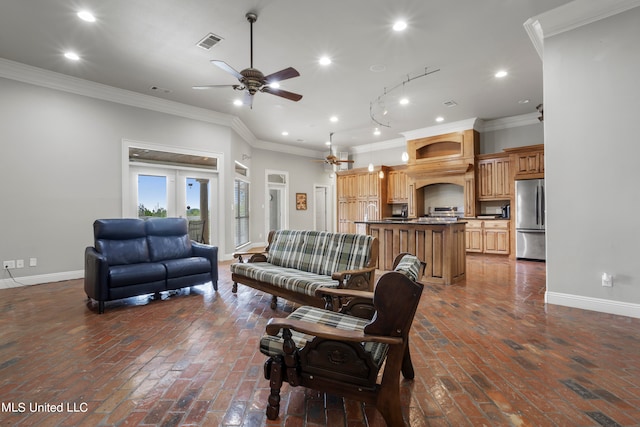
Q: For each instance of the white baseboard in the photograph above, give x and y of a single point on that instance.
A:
(595, 304)
(41, 278)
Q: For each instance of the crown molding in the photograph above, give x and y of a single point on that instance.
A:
(379, 146)
(288, 149)
(572, 15)
(462, 125)
(511, 122)
(57, 81)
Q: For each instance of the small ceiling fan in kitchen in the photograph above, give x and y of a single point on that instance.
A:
(253, 80)
(331, 158)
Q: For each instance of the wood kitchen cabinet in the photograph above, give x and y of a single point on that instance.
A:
(361, 194)
(488, 237)
(496, 237)
(494, 177)
(397, 187)
(528, 162)
(473, 238)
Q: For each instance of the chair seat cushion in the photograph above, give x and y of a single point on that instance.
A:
(186, 266)
(135, 274)
(272, 345)
(283, 277)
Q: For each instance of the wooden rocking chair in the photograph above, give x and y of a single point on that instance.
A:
(342, 354)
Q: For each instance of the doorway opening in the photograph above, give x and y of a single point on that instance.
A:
(322, 208)
(276, 196)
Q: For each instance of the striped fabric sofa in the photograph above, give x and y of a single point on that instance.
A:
(296, 263)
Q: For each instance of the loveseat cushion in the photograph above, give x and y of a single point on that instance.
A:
(186, 266)
(121, 240)
(286, 278)
(133, 274)
(272, 345)
(168, 238)
(319, 252)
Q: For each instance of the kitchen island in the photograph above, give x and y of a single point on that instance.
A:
(441, 244)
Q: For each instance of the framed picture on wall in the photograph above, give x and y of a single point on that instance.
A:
(301, 201)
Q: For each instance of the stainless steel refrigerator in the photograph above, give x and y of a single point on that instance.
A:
(530, 219)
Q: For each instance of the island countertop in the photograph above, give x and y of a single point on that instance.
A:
(440, 244)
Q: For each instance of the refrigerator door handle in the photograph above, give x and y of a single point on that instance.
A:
(542, 204)
(537, 207)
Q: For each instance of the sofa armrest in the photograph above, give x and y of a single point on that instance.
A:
(211, 253)
(96, 274)
(253, 256)
(361, 279)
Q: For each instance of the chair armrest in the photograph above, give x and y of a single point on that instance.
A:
(357, 279)
(343, 293)
(327, 332)
(348, 301)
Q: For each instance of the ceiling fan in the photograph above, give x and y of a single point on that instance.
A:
(332, 159)
(253, 80)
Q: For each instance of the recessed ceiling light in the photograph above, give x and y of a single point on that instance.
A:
(285, 133)
(377, 68)
(325, 60)
(523, 101)
(404, 101)
(399, 26)
(72, 56)
(333, 119)
(376, 131)
(439, 119)
(237, 102)
(86, 16)
(327, 143)
(500, 74)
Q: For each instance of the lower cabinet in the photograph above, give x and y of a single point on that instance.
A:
(488, 237)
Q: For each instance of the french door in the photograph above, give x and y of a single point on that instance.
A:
(176, 192)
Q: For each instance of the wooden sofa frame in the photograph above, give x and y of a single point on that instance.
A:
(360, 280)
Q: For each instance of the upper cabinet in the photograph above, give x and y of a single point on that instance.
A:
(528, 162)
(397, 187)
(494, 177)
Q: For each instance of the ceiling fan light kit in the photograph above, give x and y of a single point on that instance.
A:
(253, 80)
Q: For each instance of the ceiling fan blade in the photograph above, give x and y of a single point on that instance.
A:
(248, 100)
(278, 76)
(345, 161)
(283, 93)
(212, 86)
(228, 68)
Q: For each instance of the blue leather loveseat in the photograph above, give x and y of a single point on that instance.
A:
(133, 257)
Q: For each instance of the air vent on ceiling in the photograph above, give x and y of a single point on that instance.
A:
(450, 103)
(209, 41)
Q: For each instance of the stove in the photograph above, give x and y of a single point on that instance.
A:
(445, 212)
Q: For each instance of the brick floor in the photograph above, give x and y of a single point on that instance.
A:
(486, 352)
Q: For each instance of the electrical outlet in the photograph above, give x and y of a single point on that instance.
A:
(8, 264)
(33, 262)
(607, 280)
(20, 263)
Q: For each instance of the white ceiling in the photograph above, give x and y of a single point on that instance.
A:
(137, 44)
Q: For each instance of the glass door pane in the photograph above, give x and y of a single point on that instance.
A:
(197, 206)
(152, 196)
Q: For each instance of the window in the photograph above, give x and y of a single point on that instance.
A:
(241, 206)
